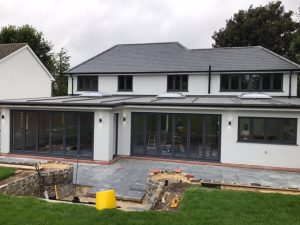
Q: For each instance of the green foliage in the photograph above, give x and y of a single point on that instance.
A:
(269, 26)
(35, 39)
(199, 206)
(61, 64)
(55, 63)
(6, 172)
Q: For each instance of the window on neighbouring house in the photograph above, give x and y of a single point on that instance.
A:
(269, 130)
(125, 83)
(251, 82)
(177, 83)
(87, 83)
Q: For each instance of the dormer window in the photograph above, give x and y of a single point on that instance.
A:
(87, 83)
(125, 83)
(251, 82)
(177, 83)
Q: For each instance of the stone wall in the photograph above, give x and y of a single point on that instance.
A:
(30, 185)
(153, 191)
(63, 179)
(26, 186)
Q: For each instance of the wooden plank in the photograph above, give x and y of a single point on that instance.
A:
(21, 167)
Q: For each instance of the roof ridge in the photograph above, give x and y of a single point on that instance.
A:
(154, 43)
(239, 47)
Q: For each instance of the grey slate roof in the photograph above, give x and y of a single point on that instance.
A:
(7, 49)
(173, 57)
(193, 101)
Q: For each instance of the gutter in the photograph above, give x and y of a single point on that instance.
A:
(152, 104)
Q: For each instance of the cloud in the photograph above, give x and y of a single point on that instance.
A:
(86, 28)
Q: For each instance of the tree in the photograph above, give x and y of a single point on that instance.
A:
(61, 64)
(269, 26)
(35, 39)
(55, 63)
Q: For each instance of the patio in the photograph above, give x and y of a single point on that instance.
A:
(128, 176)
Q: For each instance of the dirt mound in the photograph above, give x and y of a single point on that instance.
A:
(169, 192)
(55, 166)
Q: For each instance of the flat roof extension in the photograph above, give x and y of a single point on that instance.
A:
(140, 100)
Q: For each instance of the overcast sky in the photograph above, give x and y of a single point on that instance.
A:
(86, 28)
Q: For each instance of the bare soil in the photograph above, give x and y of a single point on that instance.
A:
(169, 192)
(81, 192)
(174, 177)
(57, 166)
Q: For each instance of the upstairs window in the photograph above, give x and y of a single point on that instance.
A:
(87, 83)
(125, 83)
(251, 82)
(177, 83)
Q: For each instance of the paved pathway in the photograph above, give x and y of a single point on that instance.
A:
(128, 176)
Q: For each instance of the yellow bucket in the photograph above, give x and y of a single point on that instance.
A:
(106, 200)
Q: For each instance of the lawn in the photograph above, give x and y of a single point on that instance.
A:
(6, 172)
(199, 206)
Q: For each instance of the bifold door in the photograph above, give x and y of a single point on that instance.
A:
(194, 136)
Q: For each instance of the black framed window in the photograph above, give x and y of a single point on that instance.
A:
(177, 83)
(268, 130)
(251, 82)
(124, 83)
(87, 83)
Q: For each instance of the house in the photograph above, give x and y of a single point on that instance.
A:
(229, 105)
(22, 75)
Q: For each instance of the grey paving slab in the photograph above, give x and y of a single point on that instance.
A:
(128, 177)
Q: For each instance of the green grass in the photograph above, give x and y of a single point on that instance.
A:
(199, 206)
(6, 172)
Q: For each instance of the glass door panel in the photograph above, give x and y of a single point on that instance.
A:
(196, 136)
(71, 133)
(18, 139)
(30, 131)
(212, 137)
(138, 133)
(86, 134)
(180, 136)
(166, 135)
(152, 134)
(58, 123)
(44, 132)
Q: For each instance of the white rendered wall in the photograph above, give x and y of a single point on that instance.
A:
(156, 84)
(276, 155)
(4, 130)
(103, 135)
(22, 76)
(232, 151)
(124, 140)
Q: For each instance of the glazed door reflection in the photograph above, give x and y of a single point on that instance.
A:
(180, 136)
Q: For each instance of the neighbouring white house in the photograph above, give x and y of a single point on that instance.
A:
(22, 74)
(228, 105)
